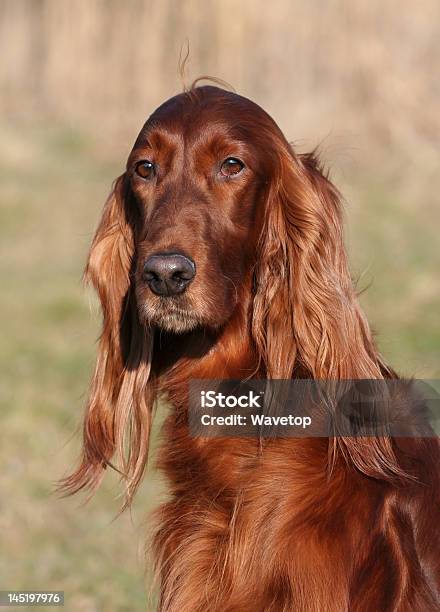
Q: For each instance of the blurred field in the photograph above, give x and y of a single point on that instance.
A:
(368, 93)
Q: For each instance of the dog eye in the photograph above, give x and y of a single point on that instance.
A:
(145, 169)
(231, 166)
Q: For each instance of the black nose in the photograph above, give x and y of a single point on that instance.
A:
(169, 275)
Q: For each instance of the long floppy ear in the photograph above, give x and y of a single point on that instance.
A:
(119, 410)
(306, 313)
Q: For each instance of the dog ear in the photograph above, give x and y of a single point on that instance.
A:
(306, 313)
(119, 410)
(307, 307)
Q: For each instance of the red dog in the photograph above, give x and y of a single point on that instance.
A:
(220, 255)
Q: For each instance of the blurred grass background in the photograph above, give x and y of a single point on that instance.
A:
(77, 81)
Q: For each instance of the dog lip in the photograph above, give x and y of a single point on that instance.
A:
(167, 306)
(175, 320)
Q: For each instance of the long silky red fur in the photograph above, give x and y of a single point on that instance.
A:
(276, 525)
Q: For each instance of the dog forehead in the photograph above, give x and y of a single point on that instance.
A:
(200, 111)
(207, 100)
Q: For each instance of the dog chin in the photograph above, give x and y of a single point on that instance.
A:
(177, 322)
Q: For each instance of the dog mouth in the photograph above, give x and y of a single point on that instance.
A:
(170, 315)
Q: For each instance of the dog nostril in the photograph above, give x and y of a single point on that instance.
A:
(169, 274)
(184, 275)
(150, 275)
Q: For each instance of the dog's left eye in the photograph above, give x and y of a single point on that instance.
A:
(145, 169)
(231, 166)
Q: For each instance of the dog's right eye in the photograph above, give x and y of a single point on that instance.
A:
(145, 169)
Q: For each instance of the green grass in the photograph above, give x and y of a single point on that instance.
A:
(54, 182)
(394, 253)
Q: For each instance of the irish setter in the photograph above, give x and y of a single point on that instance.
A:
(220, 255)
